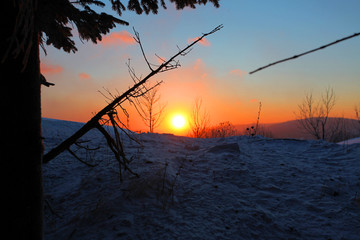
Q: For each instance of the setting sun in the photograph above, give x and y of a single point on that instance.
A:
(178, 121)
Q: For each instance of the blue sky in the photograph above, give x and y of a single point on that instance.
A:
(255, 33)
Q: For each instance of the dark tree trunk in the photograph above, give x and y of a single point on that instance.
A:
(21, 143)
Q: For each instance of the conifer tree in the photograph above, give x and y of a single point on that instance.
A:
(25, 25)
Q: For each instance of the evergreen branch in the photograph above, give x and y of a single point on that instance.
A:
(305, 53)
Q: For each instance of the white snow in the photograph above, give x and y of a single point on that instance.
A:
(350, 141)
(229, 188)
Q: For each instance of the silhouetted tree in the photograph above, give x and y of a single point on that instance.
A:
(26, 24)
(313, 116)
(149, 108)
(200, 120)
(357, 113)
(357, 116)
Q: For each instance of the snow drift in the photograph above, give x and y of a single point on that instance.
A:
(229, 188)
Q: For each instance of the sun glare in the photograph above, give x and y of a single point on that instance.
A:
(178, 121)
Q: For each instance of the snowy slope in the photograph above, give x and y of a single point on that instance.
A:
(233, 188)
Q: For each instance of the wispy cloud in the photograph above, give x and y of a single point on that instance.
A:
(84, 76)
(199, 64)
(203, 41)
(238, 72)
(118, 38)
(50, 69)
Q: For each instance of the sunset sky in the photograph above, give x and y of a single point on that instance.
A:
(255, 34)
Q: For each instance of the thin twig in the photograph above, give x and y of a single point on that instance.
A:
(78, 144)
(302, 54)
(137, 39)
(258, 119)
(87, 164)
(117, 150)
(161, 59)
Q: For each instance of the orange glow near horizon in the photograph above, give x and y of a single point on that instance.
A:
(216, 71)
(227, 97)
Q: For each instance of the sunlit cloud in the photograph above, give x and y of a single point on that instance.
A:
(50, 69)
(199, 64)
(203, 41)
(187, 82)
(84, 76)
(237, 72)
(118, 38)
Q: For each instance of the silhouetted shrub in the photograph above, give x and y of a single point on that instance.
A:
(224, 129)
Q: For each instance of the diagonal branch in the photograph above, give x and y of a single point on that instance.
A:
(93, 122)
(302, 54)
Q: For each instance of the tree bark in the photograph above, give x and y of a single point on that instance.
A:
(21, 148)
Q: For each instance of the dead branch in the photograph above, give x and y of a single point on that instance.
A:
(74, 155)
(94, 121)
(137, 39)
(124, 128)
(117, 149)
(78, 144)
(44, 82)
(305, 53)
(258, 119)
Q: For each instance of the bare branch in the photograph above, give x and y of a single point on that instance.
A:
(74, 155)
(161, 59)
(78, 144)
(105, 96)
(305, 53)
(258, 119)
(94, 121)
(117, 148)
(137, 39)
(44, 82)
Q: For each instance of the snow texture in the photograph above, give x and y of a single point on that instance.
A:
(226, 188)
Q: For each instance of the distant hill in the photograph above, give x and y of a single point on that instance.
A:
(291, 129)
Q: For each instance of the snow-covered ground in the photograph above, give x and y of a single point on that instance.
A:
(350, 141)
(232, 188)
